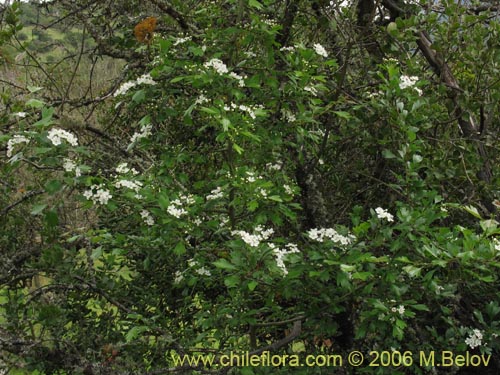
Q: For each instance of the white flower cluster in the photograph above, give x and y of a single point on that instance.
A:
(181, 40)
(474, 339)
(288, 189)
(133, 185)
(56, 136)
(287, 49)
(244, 108)
(496, 244)
(199, 270)
(323, 234)
(400, 309)
(287, 115)
(320, 50)
(274, 167)
(178, 277)
(280, 254)
(251, 177)
(144, 133)
(202, 99)
(406, 81)
(15, 140)
(70, 166)
(384, 214)
(254, 240)
(215, 194)
(240, 79)
(123, 168)
(262, 192)
(217, 65)
(148, 219)
(98, 194)
(176, 206)
(145, 79)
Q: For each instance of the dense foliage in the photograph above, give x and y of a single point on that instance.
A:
(295, 176)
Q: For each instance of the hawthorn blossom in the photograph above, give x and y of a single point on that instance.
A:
(70, 166)
(217, 65)
(322, 234)
(260, 234)
(215, 194)
(401, 309)
(176, 208)
(146, 216)
(384, 214)
(474, 339)
(56, 136)
(280, 254)
(239, 78)
(98, 194)
(16, 139)
(181, 40)
(320, 50)
(133, 185)
(406, 81)
(145, 79)
(144, 133)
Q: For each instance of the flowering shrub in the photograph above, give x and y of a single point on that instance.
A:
(250, 176)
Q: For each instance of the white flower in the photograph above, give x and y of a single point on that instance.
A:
(329, 233)
(175, 211)
(401, 309)
(122, 168)
(181, 40)
(274, 167)
(146, 216)
(56, 136)
(406, 81)
(383, 214)
(288, 189)
(70, 166)
(239, 78)
(496, 244)
(16, 139)
(144, 133)
(250, 239)
(280, 254)
(320, 50)
(474, 339)
(98, 194)
(20, 114)
(262, 192)
(178, 277)
(287, 49)
(203, 272)
(176, 206)
(201, 99)
(144, 79)
(133, 185)
(217, 65)
(215, 194)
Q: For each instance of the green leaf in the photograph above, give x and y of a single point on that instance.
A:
(343, 114)
(252, 285)
(35, 103)
(53, 186)
(38, 209)
(139, 96)
(180, 248)
(388, 154)
(412, 271)
(134, 332)
(224, 264)
(255, 4)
